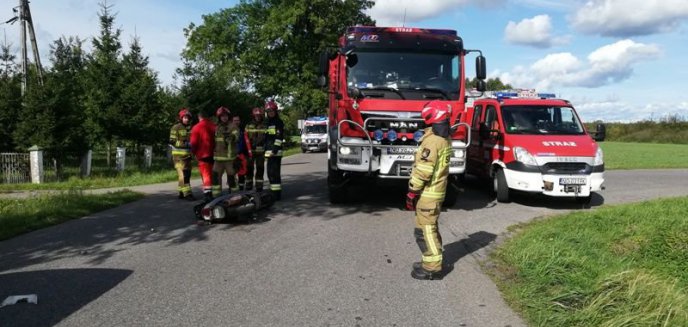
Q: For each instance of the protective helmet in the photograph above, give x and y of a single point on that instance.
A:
(184, 112)
(435, 112)
(221, 111)
(271, 106)
(257, 111)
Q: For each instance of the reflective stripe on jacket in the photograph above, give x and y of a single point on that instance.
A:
(431, 167)
(179, 140)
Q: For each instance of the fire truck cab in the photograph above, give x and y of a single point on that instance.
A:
(535, 143)
(378, 81)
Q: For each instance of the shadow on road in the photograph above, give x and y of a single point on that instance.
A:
(157, 218)
(60, 293)
(453, 252)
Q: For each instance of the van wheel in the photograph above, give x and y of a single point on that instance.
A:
(303, 150)
(336, 186)
(499, 187)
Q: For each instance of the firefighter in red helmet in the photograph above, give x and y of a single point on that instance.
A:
(226, 143)
(255, 130)
(181, 153)
(274, 138)
(427, 188)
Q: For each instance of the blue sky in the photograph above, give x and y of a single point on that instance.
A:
(616, 60)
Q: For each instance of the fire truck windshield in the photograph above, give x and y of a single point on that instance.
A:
(541, 120)
(406, 75)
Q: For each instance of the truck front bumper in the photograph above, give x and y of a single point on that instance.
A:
(553, 185)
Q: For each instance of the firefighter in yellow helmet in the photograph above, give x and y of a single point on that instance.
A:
(226, 151)
(427, 188)
(181, 153)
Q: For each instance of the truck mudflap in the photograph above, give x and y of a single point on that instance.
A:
(395, 160)
(554, 185)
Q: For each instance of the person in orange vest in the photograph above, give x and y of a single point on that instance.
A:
(226, 144)
(181, 153)
(202, 146)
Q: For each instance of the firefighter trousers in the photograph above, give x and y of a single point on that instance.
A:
(427, 233)
(220, 167)
(256, 168)
(274, 175)
(183, 167)
(205, 166)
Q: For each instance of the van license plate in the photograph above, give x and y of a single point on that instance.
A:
(572, 181)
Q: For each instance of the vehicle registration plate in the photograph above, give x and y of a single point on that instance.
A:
(572, 181)
(404, 150)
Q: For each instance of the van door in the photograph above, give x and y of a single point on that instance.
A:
(490, 138)
(474, 156)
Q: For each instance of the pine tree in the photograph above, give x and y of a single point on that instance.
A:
(104, 119)
(10, 98)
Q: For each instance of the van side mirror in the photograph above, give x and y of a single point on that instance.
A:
(480, 67)
(600, 133)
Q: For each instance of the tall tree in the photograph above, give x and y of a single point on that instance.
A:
(52, 116)
(271, 47)
(10, 97)
(143, 120)
(104, 119)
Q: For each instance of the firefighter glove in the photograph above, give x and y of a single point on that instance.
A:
(411, 200)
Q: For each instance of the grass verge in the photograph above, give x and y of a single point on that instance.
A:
(620, 155)
(615, 266)
(19, 216)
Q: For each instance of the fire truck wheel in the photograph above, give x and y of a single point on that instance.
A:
(336, 187)
(500, 188)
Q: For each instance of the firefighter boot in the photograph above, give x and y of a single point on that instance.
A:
(418, 272)
(181, 195)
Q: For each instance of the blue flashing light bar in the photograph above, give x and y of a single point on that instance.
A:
(515, 95)
(546, 95)
(378, 135)
(319, 118)
(418, 135)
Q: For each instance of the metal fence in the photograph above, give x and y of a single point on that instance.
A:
(15, 168)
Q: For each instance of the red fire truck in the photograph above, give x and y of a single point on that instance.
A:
(536, 143)
(378, 81)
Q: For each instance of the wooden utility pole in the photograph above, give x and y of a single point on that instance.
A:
(27, 23)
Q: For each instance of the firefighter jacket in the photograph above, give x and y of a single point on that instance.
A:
(244, 143)
(226, 142)
(203, 139)
(274, 136)
(431, 167)
(180, 140)
(255, 131)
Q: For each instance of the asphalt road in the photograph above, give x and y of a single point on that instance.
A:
(312, 264)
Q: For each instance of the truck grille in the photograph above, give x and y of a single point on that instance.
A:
(409, 123)
(566, 168)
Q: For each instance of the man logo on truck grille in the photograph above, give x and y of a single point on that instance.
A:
(401, 124)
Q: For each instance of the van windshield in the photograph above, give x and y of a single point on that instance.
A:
(541, 120)
(315, 129)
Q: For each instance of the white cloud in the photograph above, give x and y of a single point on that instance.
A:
(625, 18)
(391, 12)
(536, 32)
(614, 110)
(607, 65)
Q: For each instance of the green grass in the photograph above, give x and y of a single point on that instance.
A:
(619, 155)
(615, 266)
(18, 216)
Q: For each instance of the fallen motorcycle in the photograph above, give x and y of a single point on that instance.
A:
(234, 206)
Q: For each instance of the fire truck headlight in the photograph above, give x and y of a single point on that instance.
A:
(345, 150)
(392, 135)
(458, 153)
(417, 136)
(522, 155)
(219, 212)
(378, 135)
(599, 157)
